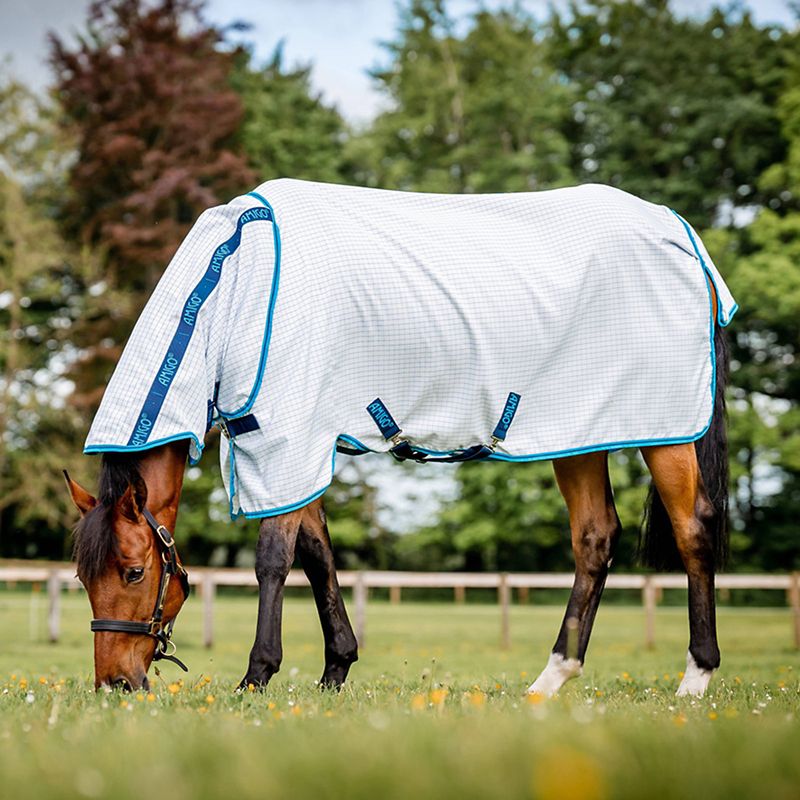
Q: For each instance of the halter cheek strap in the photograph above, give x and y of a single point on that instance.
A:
(155, 626)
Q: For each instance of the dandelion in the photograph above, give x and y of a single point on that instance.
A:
(270, 706)
(151, 697)
(534, 698)
(418, 702)
(23, 683)
(438, 696)
(476, 699)
(626, 676)
(139, 697)
(43, 680)
(679, 720)
(123, 703)
(174, 688)
(202, 710)
(251, 687)
(712, 715)
(210, 699)
(566, 774)
(297, 711)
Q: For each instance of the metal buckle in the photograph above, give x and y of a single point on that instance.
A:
(166, 539)
(156, 628)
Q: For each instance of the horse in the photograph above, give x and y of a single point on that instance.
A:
(124, 547)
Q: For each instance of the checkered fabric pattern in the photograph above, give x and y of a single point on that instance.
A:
(303, 302)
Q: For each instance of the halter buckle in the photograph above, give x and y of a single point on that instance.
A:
(165, 536)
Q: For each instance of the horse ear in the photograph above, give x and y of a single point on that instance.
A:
(133, 501)
(84, 501)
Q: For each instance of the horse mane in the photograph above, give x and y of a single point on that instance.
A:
(93, 539)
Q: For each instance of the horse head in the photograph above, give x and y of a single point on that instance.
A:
(127, 561)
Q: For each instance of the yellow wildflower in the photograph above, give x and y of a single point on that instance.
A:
(43, 680)
(139, 697)
(270, 706)
(210, 699)
(174, 688)
(150, 697)
(418, 702)
(251, 687)
(567, 774)
(712, 715)
(438, 696)
(297, 711)
(534, 698)
(477, 699)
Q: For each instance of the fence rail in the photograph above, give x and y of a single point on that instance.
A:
(58, 576)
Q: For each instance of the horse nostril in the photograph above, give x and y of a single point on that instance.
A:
(145, 684)
(121, 683)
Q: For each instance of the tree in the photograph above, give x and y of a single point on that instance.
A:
(287, 130)
(146, 95)
(680, 111)
(38, 277)
(483, 112)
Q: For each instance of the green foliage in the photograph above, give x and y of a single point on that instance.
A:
(287, 130)
(681, 111)
(160, 118)
(483, 112)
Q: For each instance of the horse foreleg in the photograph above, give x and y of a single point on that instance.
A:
(594, 524)
(316, 556)
(274, 557)
(676, 475)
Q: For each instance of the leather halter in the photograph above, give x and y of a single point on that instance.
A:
(155, 626)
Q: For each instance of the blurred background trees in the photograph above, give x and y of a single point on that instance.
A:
(154, 115)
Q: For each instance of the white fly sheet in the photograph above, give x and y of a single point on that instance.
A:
(562, 322)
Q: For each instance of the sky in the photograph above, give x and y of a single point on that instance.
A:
(341, 38)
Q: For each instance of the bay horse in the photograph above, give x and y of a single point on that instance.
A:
(127, 559)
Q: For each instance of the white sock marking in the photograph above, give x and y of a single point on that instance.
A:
(557, 672)
(695, 679)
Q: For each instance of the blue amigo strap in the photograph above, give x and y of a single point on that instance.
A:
(180, 341)
(501, 430)
(383, 419)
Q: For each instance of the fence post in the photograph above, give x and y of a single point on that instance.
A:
(504, 596)
(209, 591)
(360, 600)
(394, 595)
(649, 591)
(794, 599)
(459, 594)
(54, 605)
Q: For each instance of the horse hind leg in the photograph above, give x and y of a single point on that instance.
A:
(677, 479)
(595, 528)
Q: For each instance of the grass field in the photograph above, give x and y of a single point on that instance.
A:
(433, 709)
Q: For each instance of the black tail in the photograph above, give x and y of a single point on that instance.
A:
(657, 544)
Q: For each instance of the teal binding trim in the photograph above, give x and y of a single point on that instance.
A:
(723, 321)
(94, 449)
(273, 296)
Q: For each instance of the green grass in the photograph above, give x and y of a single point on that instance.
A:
(433, 709)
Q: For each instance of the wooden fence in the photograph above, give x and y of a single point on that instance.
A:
(57, 576)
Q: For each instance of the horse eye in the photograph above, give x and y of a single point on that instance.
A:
(134, 574)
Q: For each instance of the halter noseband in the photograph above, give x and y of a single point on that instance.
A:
(155, 626)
